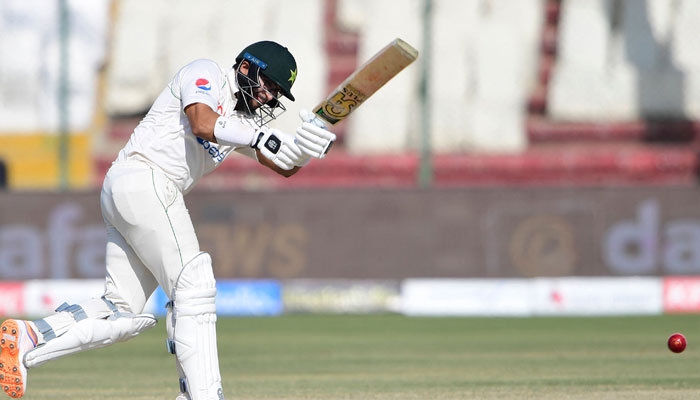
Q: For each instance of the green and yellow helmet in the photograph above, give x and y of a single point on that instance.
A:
(275, 62)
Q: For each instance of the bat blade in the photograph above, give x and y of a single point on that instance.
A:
(365, 81)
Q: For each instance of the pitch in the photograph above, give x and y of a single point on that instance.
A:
(396, 357)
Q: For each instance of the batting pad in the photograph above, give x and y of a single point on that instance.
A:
(90, 334)
(194, 331)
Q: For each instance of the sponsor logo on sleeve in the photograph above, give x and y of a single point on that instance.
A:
(212, 149)
(203, 84)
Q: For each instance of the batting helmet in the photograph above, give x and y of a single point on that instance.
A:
(275, 62)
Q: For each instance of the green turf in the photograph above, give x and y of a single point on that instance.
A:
(395, 357)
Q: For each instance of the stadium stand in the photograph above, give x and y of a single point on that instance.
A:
(559, 119)
(583, 114)
(36, 108)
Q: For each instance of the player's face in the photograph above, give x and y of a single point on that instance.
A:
(267, 91)
(270, 88)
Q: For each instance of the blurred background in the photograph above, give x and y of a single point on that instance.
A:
(539, 158)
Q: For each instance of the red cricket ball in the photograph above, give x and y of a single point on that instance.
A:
(677, 343)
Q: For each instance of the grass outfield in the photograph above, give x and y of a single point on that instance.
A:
(396, 357)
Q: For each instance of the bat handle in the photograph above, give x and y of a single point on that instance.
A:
(308, 116)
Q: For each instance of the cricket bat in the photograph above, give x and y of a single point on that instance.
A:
(366, 80)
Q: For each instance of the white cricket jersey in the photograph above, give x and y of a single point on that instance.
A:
(164, 139)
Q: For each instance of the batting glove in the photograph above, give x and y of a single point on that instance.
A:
(312, 136)
(279, 148)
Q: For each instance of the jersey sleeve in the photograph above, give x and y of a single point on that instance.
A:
(200, 81)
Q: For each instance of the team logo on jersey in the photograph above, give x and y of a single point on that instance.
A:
(203, 84)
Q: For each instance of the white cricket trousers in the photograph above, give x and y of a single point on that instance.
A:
(150, 236)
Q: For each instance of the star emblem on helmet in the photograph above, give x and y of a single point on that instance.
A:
(293, 76)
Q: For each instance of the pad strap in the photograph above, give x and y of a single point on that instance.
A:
(169, 342)
(45, 329)
(75, 309)
(92, 309)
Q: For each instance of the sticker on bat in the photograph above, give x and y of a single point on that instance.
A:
(341, 104)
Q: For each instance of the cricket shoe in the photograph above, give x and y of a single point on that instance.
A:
(15, 342)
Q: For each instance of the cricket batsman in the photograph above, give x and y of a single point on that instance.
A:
(202, 116)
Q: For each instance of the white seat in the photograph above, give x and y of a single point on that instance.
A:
(482, 61)
(505, 58)
(136, 74)
(642, 69)
(387, 120)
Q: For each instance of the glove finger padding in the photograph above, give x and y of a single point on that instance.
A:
(283, 162)
(290, 155)
(291, 149)
(318, 131)
(314, 140)
(278, 160)
(307, 145)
